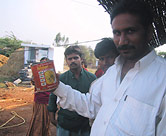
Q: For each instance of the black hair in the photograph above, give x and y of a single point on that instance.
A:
(73, 49)
(44, 58)
(134, 7)
(105, 46)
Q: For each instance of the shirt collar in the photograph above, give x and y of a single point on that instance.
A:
(142, 63)
(72, 74)
(119, 60)
(146, 60)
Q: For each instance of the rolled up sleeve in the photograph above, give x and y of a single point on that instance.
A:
(74, 100)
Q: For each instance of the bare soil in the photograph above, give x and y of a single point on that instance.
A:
(19, 100)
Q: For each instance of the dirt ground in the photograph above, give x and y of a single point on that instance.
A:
(19, 100)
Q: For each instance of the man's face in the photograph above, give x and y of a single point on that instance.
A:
(130, 36)
(73, 61)
(107, 60)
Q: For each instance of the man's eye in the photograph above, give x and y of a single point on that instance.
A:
(75, 58)
(116, 33)
(130, 31)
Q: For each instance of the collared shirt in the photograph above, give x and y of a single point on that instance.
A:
(82, 84)
(134, 107)
(68, 119)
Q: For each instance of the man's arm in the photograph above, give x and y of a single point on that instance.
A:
(86, 105)
(161, 126)
(52, 108)
(53, 118)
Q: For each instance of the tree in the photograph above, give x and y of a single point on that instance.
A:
(163, 54)
(87, 51)
(9, 44)
(88, 55)
(60, 40)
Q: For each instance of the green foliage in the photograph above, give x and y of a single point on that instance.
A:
(60, 40)
(162, 53)
(3, 79)
(9, 44)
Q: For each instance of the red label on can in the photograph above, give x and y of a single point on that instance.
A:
(44, 75)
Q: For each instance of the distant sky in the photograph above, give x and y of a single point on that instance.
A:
(40, 20)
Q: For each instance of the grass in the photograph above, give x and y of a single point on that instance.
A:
(3, 79)
(9, 79)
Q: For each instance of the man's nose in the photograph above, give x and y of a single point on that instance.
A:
(123, 39)
(72, 59)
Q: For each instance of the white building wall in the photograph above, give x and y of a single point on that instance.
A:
(40, 54)
(26, 54)
(51, 53)
(54, 53)
(58, 58)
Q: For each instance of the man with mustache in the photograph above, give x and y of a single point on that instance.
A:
(69, 123)
(130, 98)
(106, 52)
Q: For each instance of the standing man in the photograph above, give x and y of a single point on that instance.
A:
(106, 52)
(130, 98)
(69, 123)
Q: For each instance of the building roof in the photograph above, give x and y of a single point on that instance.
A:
(35, 45)
(159, 8)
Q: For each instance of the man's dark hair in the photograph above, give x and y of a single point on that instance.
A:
(134, 7)
(105, 46)
(73, 49)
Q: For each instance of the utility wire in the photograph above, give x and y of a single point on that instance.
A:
(83, 3)
(66, 45)
(80, 42)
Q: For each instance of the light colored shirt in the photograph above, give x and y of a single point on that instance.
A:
(134, 107)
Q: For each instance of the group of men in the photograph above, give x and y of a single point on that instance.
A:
(69, 123)
(130, 97)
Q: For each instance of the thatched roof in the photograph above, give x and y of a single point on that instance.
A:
(14, 64)
(159, 9)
